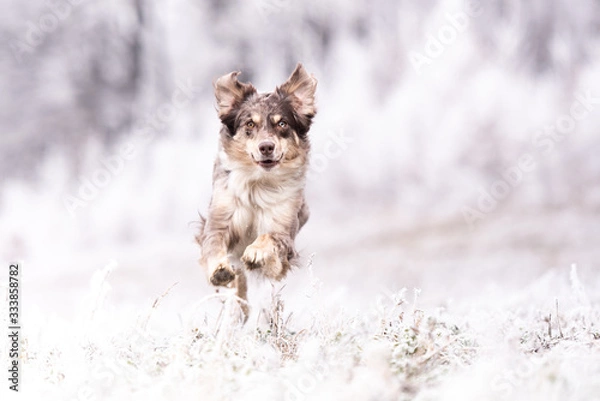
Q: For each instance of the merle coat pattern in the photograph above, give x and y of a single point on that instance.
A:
(257, 205)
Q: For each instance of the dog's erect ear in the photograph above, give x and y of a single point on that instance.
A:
(302, 86)
(230, 93)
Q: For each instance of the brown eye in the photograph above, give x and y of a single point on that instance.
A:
(282, 124)
(250, 124)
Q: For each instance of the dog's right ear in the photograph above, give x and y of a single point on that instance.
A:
(230, 93)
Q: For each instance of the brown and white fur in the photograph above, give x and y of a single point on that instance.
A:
(257, 205)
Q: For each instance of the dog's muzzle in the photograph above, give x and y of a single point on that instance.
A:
(267, 158)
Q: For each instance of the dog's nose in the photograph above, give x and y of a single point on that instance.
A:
(266, 148)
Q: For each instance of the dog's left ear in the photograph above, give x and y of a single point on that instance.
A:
(303, 86)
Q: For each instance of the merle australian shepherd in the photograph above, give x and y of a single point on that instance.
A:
(257, 205)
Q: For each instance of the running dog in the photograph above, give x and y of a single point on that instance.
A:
(257, 205)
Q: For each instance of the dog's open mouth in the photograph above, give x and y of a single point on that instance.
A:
(268, 163)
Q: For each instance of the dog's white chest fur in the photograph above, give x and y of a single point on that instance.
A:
(260, 206)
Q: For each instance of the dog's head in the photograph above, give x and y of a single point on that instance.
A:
(266, 132)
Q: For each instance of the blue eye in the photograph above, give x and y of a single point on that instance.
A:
(282, 124)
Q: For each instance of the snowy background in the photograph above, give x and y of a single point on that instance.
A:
(453, 247)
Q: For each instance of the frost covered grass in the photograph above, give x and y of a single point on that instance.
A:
(395, 350)
(537, 353)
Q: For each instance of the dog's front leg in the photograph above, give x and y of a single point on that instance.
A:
(214, 258)
(272, 253)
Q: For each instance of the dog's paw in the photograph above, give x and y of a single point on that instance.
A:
(257, 257)
(261, 254)
(222, 275)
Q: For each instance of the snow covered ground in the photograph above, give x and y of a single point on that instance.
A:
(381, 310)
